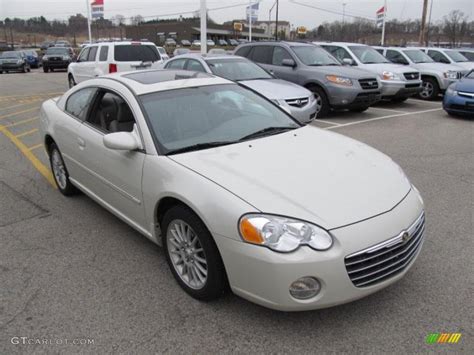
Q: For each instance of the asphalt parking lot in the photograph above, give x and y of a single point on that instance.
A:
(70, 270)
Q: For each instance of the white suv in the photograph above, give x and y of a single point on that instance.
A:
(110, 57)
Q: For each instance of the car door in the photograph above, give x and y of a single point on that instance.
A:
(90, 65)
(278, 54)
(79, 67)
(114, 177)
(75, 112)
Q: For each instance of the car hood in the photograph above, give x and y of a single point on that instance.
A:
(311, 174)
(276, 89)
(350, 72)
(466, 65)
(437, 67)
(465, 84)
(394, 68)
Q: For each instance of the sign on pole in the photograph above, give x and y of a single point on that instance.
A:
(381, 15)
(97, 7)
(252, 16)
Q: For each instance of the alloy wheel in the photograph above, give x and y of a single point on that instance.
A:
(186, 254)
(319, 102)
(59, 170)
(427, 91)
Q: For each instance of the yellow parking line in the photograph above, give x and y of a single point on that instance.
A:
(21, 122)
(18, 112)
(35, 146)
(27, 133)
(22, 104)
(24, 96)
(43, 170)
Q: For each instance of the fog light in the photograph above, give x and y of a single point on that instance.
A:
(305, 287)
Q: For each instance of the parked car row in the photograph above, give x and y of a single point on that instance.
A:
(14, 61)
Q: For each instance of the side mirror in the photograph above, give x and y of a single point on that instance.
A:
(122, 141)
(347, 61)
(288, 63)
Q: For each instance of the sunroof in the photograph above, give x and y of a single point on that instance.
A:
(159, 76)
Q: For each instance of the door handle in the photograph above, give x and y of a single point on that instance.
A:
(81, 142)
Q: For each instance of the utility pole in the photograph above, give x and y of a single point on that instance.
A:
(383, 24)
(250, 20)
(11, 37)
(421, 40)
(344, 13)
(276, 21)
(429, 25)
(203, 27)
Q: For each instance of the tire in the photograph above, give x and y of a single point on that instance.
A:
(182, 256)
(71, 81)
(359, 109)
(23, 69)
(60, 173)
(45, 69)
(322, 101)
(29, 69)
(430, 89)
(51, 70)
(1, 71)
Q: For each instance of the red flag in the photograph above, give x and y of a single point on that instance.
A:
(379, 11)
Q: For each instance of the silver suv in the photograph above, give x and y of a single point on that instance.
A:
(399, 82)
(334, 86)
(436, 77)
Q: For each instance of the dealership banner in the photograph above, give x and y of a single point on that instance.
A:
(380, 16)
(97, 9)
(252, 12)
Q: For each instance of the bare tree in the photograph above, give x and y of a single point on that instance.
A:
(136, 20)
(118, 20)
(455, 26)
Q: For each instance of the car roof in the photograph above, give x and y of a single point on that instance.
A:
(154, 80)
(341, 43)
(288, 43)
(122, 43)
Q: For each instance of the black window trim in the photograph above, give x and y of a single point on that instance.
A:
(89, 108)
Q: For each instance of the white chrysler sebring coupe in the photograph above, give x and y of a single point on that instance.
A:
(238, 193)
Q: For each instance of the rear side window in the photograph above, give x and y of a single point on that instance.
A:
(195, 66)
(78, 103)
(104, 53)
(136, 53)
(176, 64)
(244, 51)
(262, 54)
(92, 54)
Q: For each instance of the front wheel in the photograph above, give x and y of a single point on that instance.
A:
(192, 254)
(45, 69)
(430, 89)
(60, 173)
(322, 102)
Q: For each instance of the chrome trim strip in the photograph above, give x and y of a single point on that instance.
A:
(468, 94)
(392, 241)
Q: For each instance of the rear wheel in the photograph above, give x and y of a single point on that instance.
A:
(71, 81)
(24, 69)
(192, 254)
(60, 173)
(45, 69)
(430, 89)
(322, 102)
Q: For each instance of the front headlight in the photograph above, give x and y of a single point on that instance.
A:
(282, 234)
(19, 61)
(450, 90)
(388, 75)
(450, 75)
(339, 80)
(45, 58)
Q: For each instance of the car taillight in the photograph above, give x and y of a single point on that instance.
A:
(112, 68)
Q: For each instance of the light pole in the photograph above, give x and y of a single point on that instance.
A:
(276, 21)
(343, 12)
(203, 27)
(88, 4)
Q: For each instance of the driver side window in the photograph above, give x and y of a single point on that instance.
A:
(111, 113)
(438, 57)
(84, 55)
(279, 54)
(396, 57)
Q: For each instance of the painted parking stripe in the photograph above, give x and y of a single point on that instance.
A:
(383, 117)
(387, 109)
(18, 112)
(27, 133)
(36, 146)
(43, 170)
(28, 120)
(19, 105)
(26, 96)
(328, 122)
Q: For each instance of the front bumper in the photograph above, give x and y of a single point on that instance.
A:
(444, 83)
(56, 64)
(398, 89)
(342, 97)
(459, 104)
(264, 276)
(11, 66)
(305, 114)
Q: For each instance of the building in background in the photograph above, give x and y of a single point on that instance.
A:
(268, 27)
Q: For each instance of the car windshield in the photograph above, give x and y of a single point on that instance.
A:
(11, 55)
(207, 116)
(456, 56)
(314, 56)
(57, 50)
(161, 50)
(237, 69)
(30, 53)
(417, 56)
(368, 55)
(136, 53)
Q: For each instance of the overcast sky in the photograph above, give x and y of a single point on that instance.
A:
(296, 14)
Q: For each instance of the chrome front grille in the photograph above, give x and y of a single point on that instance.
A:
(298, 102)
(469, 95)
(460, 74)
(412, 76)
(382, 261)
(368, 84)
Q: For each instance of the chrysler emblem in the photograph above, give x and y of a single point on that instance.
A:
(405, 237)
(298, 102)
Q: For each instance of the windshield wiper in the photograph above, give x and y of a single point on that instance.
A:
(267, 132)
(200, 146)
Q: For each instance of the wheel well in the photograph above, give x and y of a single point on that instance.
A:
(430, 77)
(311, 85)
(48, 140)
(164, 205)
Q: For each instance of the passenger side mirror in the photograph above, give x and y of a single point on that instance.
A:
(122, 141)
(288, 63)
(347, 61)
